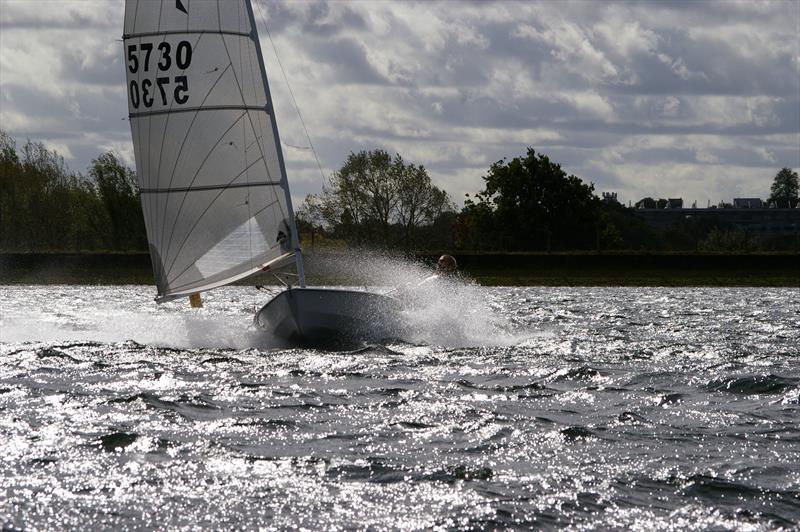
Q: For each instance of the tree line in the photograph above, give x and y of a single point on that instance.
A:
(528, 203)
(44, 206)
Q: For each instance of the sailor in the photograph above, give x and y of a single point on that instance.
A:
(446, 266)
(446, 269)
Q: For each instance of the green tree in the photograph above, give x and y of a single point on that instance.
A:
(377, 199)
(727, 240)
(624, 228)
(420, 203)
(44, 206)
(531, 203)
(116, 184)
(10, 172)
(785, 189)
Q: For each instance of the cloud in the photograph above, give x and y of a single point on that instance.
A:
(698, 99)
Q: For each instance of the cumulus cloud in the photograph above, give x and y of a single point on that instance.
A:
(695, 99)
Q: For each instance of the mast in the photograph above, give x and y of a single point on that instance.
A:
(298, 255)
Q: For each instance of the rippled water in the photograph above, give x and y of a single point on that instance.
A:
(591, 408)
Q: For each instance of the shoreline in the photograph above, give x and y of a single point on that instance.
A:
(497, 269)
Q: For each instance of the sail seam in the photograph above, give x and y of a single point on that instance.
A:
(188, 131)
(250, 118)
(246, 147)
(210, 187)
(267, 206)
(197, 221)
(241, 94)
(194, 177)
(180, 152)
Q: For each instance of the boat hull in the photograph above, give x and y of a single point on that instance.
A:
(332, 318)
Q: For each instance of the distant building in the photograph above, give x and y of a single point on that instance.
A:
(646, 203)
(755, 221)
(674, 203)
(610, 197)
(782, 204)
(748, 203)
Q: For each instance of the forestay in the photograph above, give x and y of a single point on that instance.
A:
(213, 185)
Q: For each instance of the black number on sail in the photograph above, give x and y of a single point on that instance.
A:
(165, 61)
(134, 92)
(133, 61)
(183, 57)
(181, 87)
(147, 47)
(161, 82)
(147, 98)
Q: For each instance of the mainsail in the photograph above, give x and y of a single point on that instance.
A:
(210, 169)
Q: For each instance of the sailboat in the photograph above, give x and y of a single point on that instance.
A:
(211, 173)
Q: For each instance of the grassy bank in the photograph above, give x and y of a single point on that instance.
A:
(637, 278)
(518, 269)
(631, 269)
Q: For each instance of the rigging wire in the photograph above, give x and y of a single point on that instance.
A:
(291, 92)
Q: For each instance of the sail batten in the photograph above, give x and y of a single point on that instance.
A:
(183, 32)
(212, 180)
(209, 187)
(197, 109)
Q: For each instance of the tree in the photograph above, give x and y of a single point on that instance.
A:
(785, 189)
(312, 218)
(377, 199)
(44, 206)
(728, 241)
(419, 202)
(8, 150)
(531, 203)
(116, 184)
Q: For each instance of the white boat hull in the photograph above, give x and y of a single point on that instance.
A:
(329, 317)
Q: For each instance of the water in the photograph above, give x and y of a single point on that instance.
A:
(591, 408)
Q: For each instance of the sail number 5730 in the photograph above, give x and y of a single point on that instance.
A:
(146, 91)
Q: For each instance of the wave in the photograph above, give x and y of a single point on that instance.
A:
(753, 384)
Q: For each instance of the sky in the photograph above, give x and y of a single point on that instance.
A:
(699, 100)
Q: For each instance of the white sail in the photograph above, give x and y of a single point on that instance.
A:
(208, 161)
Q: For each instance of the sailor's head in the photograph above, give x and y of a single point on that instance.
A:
(446, 264)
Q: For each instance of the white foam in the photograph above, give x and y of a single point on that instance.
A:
(447, 311)
(452, 312)
(118, 314)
